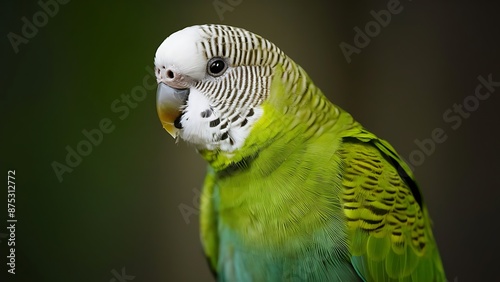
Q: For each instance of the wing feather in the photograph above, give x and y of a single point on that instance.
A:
(391, 238)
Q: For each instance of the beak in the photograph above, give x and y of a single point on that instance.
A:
(169, 103)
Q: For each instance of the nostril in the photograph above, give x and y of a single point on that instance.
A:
(170, 74)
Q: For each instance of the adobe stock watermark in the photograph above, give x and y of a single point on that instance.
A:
(372, 29)
(121, 276)
(93, 137)
(454, 117)
(30, 27)
(223, 6)
(193, 209)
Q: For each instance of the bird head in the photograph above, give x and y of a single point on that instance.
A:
(212, 81)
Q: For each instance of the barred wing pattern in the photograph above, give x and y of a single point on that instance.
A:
(391, 237)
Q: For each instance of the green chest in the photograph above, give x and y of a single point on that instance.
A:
(274, 203)
(282, 230)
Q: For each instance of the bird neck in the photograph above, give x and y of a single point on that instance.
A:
(295, 114)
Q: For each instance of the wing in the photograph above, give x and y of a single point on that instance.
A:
(208, 221)
(391, 237)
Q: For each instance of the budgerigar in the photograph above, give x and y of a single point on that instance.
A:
(296, 189)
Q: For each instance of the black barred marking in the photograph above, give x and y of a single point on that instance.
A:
(206, 113)
(246, 98)
(366, 187)
(372, 221)
(393, 223)
(395, 182)
(364, 166)
(215, 122)
(244, 122)
(349, 177)
(223, 126)
(349, 185)
(224, 136)
(374, 229)
(244, 47)
(405, 192)
(389, 199)
(374, 162)
(402, 208)
(377, 211)
(250, 113)
(351, 200)
(351, 219)
(350, 193)
(402, 220)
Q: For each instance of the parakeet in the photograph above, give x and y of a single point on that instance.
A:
(296, 189)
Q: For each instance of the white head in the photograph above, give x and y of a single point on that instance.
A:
(215, 79)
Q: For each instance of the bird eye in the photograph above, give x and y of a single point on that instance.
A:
(216, 66)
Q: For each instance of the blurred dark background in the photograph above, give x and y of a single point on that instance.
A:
(117, 212)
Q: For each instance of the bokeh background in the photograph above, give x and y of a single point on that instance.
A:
(118, 210)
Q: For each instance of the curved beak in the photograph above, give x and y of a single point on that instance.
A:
(169, 104)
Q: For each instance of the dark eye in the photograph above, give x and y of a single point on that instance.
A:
(216, 66)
